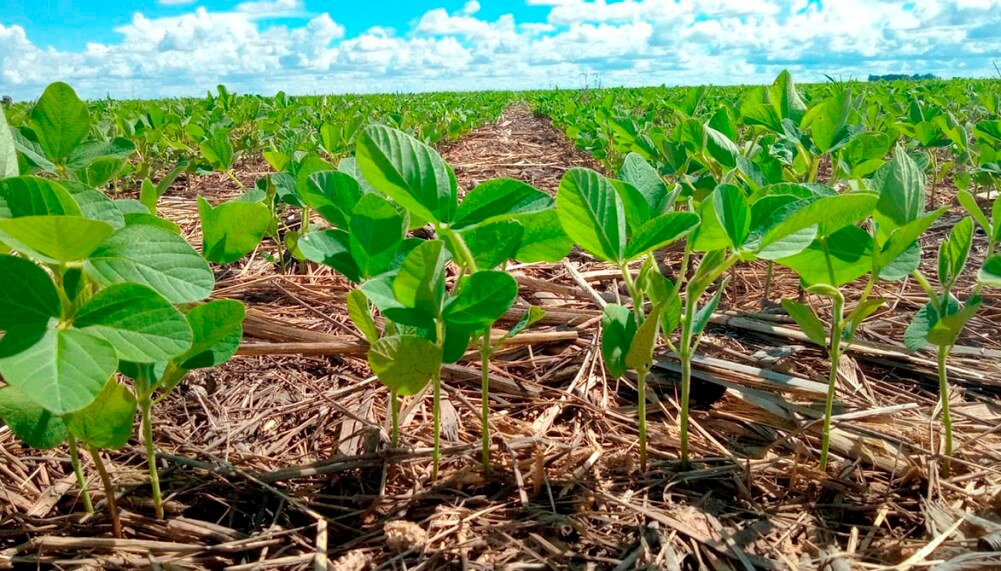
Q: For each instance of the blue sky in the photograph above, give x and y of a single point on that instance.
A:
(153, 48)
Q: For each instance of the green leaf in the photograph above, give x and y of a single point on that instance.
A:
(231, 230)
(916, 335)
(408, 171)
(33, 196)
(955, 251)
(640, 354)
(420, 283)
(60, 120)
(829, 215)
(217, 329)
(139, 323)
(592, 213)
(331, 247)
(107, 423)
(990, 273)
(35, 426)
(947, 329)
(310, 165)
(996, 214)
(721, 148)
(971, 206)
(530, 318)
(484, 297)
(96, 205)
(491, 243)
(901, 187)
(618, 328)
(148, 195)
(903, 239)
(63, 371)
(218, 151)
(808, 322)
(456, 343)
(733, 212)
(404, 363)
(361, 315)
(635, 208)
(377, 229)
(380, 292)
(660, 232)
(154, 257)
(543, 239)
(705, 313)
(850, 257)
(500, 199)
(639, 173)
(8, 152)
(27, 294)
(333, 195)
(785, 99)
(54, 238)
(709, 236)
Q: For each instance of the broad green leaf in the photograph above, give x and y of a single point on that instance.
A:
(154, 257)
(990, 273)
(27, 294)
(60, 120)
(108, 422)
(404, 363)
(420, 283)
(331, 247)
(827, 120)
(500, 198)
(408, 171)
(8, 152)
(115, 151)
(618, 328)
(808, 322)
(785, 99)
(850, 257)
(380, 292)
(640, 354)
(333, 195)
(903, 239)
(35, 426)
(218, 151)
(305, 170)
(634, 205)
(639, 173)
(231, 230)
(829, 215)
(592, 214)
(484, 297)
(54, 238)
(709, 236)
(63, 371)
(139, 323)
(361, 315)
(901, 188)
(217, 329)
(456, 343)
(733, 213)
(33, 196)
(376, 231)
(721, 148)
(148, 195)
(95, 204)
(660, 232)
(491, 243)
(543, 239)
(916, 335)
(947, 329)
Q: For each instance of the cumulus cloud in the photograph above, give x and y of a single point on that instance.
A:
(629, 42)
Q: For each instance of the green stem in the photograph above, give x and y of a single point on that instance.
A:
(641, 399)
(145, 393)
(109, 491)
(78, 470)
(943, 389)
(232, 177)
(686, 370)
(929, 291)
(634, 293)
(485, 350)
(834, 353)
(394, 403)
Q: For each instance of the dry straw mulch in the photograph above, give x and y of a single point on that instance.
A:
(279, 460)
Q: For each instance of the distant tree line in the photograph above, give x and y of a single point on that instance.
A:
(903, 77)
(7, 100)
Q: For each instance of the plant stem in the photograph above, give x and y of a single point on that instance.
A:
(485, 350)
(436, 407)
(943, 389)
(144, 397)
(768, 279)
(78, 470)
(686, 369)
(641, 389)
(109, 491)
(394, 403)
(232, 177)
(834, 353)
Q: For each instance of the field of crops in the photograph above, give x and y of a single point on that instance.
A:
(660, 328)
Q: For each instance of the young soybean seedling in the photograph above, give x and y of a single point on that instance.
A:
(617, 222)
(943, 319)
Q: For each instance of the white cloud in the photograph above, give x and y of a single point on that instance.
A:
(632, 42)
